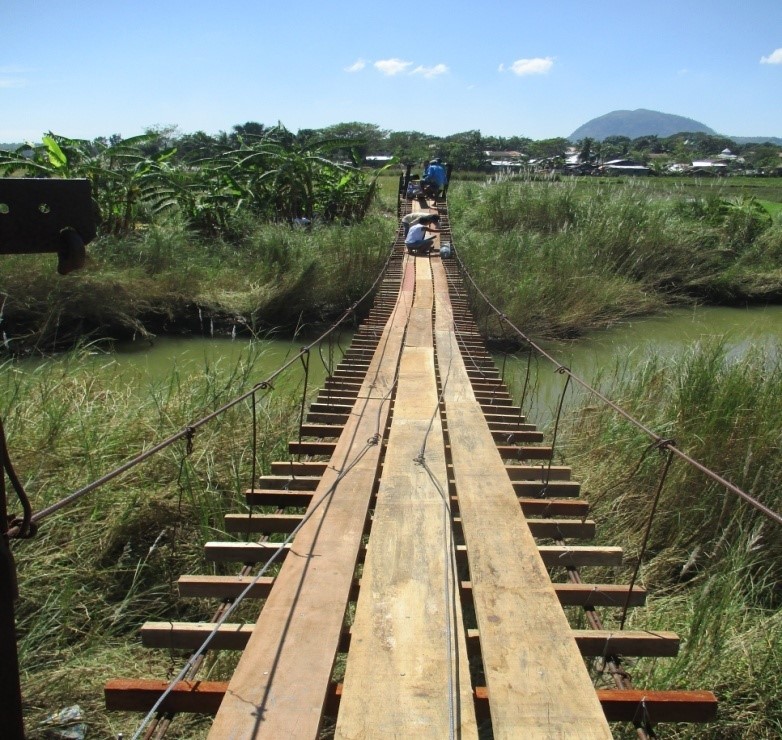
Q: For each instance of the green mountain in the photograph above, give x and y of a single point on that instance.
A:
(635, 123)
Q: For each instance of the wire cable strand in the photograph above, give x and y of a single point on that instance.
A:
(732, 487)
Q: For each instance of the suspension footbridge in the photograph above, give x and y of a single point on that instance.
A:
(413, 561)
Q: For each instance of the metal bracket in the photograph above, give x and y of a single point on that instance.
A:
(47, 215)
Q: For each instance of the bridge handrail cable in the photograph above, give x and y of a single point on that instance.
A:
(189, 430)
(663, 443)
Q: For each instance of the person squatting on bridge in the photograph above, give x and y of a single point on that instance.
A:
(416, 240)
(434, 179)
(419, 217)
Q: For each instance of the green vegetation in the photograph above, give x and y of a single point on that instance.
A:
(586, 253)
(559, 257)
(101, 567)
(713, 564)
(204, 235)
(350, 143)
(168, 278)
(272, 176)
(195, 226)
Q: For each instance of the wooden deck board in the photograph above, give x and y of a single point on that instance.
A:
(536, 678)
(407, 671)
(281, 683)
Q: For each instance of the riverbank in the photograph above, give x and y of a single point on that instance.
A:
(580, 254)
(713, 564)
(166, 279)
(585, 254)
(100, 568)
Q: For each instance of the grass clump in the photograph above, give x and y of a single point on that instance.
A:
(584, 255)
(713, 565)
(101, 567)
(167, 279)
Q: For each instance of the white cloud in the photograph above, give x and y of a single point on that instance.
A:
(429, 72)
(536, 66)
(9, 82)
(774, 58)
(357, 66)
(392, 66)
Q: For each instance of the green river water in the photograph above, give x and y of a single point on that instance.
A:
(625, 347)
(141, 363)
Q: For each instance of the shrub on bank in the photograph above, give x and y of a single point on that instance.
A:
(167, 278)
(561, 258)
(713, 564)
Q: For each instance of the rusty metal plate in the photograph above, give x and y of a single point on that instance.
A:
(34, 212)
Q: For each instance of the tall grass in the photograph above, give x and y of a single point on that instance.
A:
(713, 564)
(561, 258)
(166, 278)
(104, 565)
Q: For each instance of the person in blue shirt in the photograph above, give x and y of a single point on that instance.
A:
(435, 178)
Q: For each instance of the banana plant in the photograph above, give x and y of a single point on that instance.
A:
(274, 174)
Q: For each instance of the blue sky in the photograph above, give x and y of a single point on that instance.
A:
(87, 68)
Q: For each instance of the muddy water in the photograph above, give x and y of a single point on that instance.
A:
(628, 346)
(625, 346)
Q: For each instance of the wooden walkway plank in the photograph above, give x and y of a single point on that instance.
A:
(537, 680)
(281, 683)
(407, 672)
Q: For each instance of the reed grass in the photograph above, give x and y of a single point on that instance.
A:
(98, 569)
(166, 279)
(562, 258)
(713, 564)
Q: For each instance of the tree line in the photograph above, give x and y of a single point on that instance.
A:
(213, 182)
(467, 150)
(274, 174)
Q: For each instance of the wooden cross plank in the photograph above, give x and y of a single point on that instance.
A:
(205, 697)
(234, 636)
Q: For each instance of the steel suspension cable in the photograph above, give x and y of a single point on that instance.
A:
(732, 487)
(191, 428)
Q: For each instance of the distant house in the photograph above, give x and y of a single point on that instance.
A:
(624, 167)
(378, 160)
(505, 160)
(505, 155)
(505, 164)
(709, 164)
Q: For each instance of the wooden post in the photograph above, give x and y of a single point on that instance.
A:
(10, 690)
